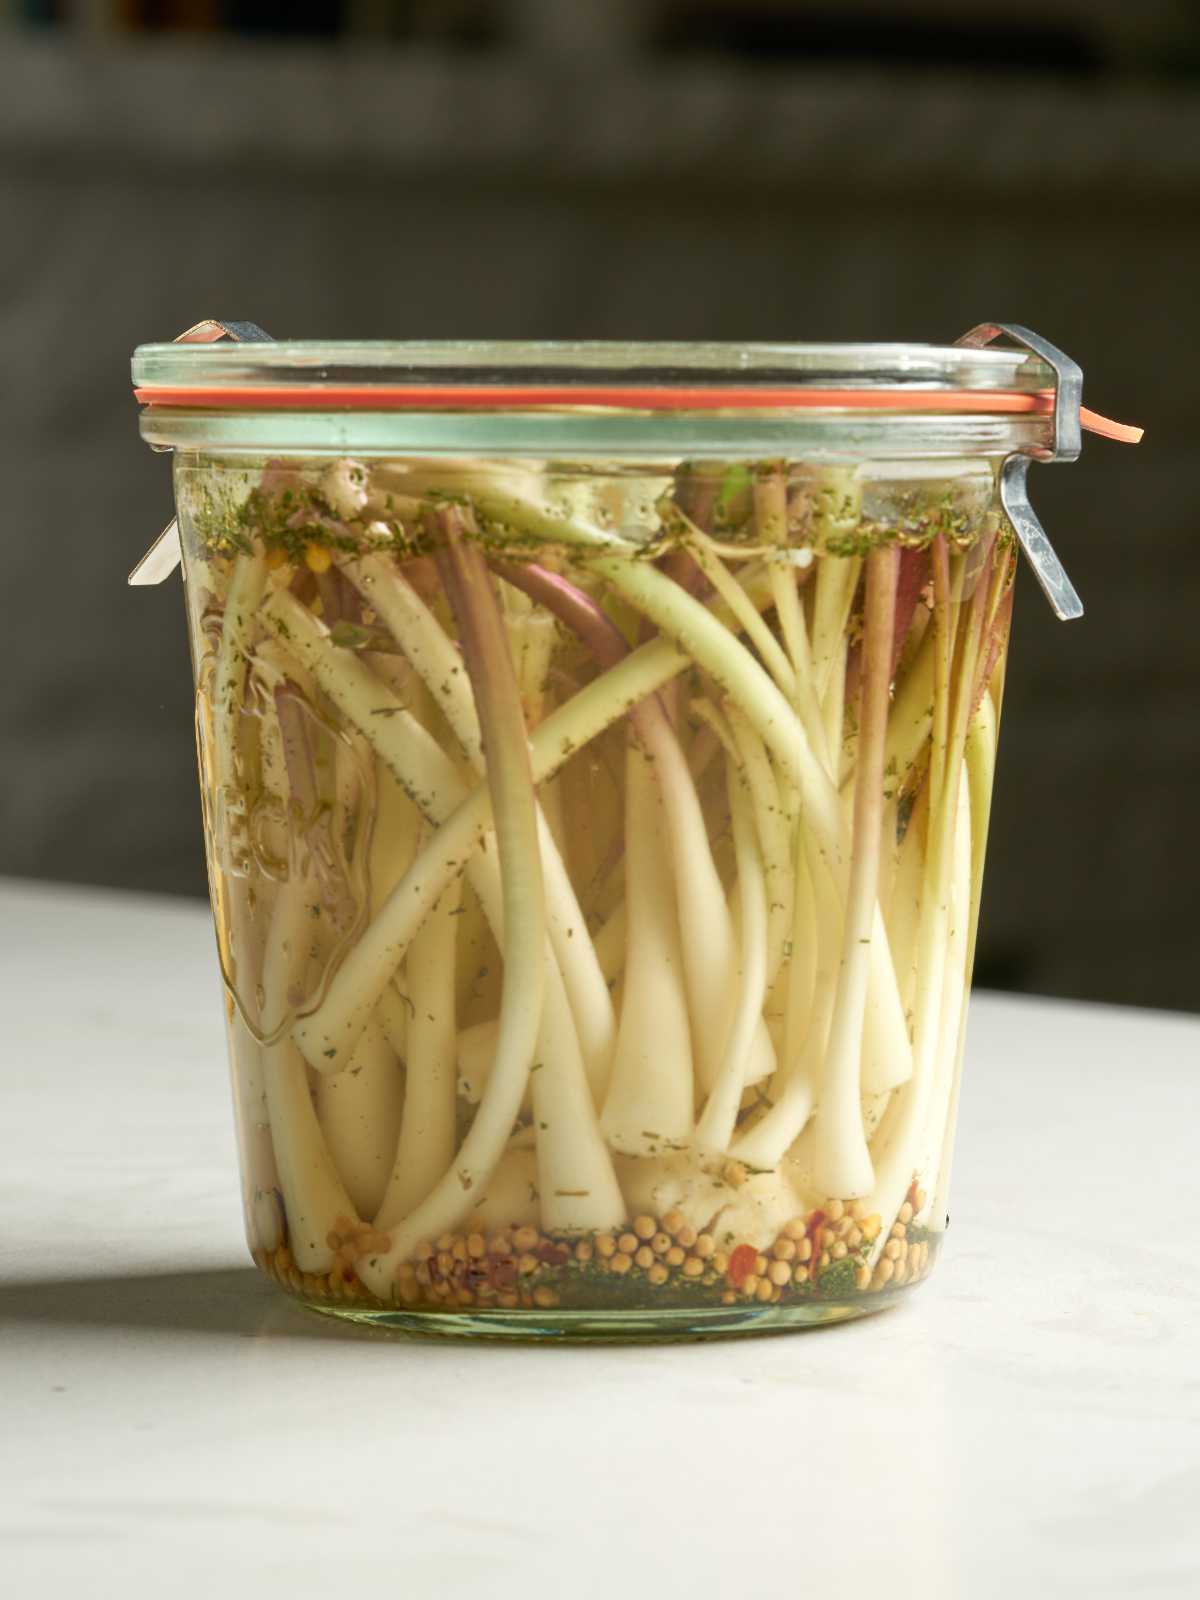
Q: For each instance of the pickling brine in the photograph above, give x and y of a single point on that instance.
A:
(596, 858)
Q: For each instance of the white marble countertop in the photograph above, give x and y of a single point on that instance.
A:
(1028, 1425)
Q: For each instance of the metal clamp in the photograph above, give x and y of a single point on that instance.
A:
(163, 556)
(1066, 445)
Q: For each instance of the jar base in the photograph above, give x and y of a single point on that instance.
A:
(666, 1326)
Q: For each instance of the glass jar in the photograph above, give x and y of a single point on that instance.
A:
(596, 747)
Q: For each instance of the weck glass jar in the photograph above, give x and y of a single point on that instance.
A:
(596, 747)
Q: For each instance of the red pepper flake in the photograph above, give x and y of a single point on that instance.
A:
(502, 1274)
(552, 1255)
(741, 1265)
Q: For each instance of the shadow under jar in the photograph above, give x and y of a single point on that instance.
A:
(596, 747)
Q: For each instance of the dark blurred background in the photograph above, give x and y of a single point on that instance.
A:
(718, 169)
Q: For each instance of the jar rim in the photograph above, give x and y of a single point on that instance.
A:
(673, 376)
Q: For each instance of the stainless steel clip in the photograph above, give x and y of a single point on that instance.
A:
(1014, 488)
(162, 558)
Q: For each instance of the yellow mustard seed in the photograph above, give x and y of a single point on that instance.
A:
(606, 1245)
(645, 1227)
(621, 1262)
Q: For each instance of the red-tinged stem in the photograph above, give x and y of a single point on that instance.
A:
(997, 636)
(911, 582)
(340, 600)
(422, 573)
(575, 609)
(696, 494)
(943, 645)
(484, 643)
(681, 565)
(303, 585)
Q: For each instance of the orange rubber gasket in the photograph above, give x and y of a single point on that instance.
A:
(672, 397)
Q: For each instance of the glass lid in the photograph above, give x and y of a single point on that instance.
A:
(678, 376)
